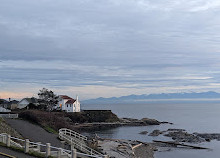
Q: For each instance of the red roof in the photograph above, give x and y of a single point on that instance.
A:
(65, 97)
(71, 101)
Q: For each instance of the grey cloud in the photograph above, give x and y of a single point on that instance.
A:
(136, 43)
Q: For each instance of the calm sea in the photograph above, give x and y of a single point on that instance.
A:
(194, 117)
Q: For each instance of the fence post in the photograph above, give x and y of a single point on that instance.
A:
(59, 153)
(38, 146)
(73, 154)
(26, 145)
(4, 139)
(62, 144)
(72, 146)
(8, 140)
(47, 149)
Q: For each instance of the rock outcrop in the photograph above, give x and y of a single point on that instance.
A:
(117, 148)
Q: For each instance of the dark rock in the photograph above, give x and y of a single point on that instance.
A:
(177, 130)
(129, 120)
(165, 122)
(150, 121)
(207, 139)
(209, 136)
(143, 132)
(156, 133)
(182, 136)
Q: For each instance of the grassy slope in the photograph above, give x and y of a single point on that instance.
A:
(5, 128)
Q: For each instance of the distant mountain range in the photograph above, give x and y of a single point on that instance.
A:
(209, 96)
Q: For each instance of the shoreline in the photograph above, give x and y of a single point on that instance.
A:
(143, 148)
(68, 119)
(108, 125)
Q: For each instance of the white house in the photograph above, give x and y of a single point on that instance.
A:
(26, 101)
(4, 110)
(69, 104)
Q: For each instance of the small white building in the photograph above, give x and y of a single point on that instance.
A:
(4, 110)
(26, 101)
(69, 104)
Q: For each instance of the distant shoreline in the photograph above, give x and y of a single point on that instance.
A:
(152, 101)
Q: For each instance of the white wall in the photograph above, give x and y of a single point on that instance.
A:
(62, 102)
(23, 104)
(69, 107)
(4, 110)
(75, 107)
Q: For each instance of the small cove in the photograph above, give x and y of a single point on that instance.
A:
(194, 117)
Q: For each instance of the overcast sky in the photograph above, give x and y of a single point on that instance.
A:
(104, 48)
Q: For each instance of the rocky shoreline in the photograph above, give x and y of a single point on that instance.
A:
(120, 148)
(181, 139)
(122, 122)
(90, 120)
(101, 120)
(181, 135)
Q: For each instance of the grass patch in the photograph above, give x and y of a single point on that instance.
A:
(12, 147)
(37, 154)
(50, 130)
(21, 150)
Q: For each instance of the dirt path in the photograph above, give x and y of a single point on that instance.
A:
(33, 132)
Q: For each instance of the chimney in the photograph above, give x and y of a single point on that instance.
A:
(77, 99)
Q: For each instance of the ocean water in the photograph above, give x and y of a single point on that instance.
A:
(194, 117)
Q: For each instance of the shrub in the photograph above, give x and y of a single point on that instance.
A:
(30, 116)
(47, 120)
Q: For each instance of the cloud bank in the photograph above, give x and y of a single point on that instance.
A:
(97, 48)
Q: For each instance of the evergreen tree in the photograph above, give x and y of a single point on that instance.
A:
(47, 99)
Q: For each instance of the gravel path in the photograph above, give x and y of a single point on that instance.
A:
(33, 132)
(13, 153)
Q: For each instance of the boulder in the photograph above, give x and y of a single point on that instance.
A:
(143, 132)
(156, 133)
(183, 136)
(150, 121)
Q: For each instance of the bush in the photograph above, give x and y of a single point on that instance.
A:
(77, 117)
(30, 116)
(101, 116)
(93, 116)
(45, 119)
(51, 121)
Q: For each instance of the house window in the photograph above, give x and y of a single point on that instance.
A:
(70, 105)
(66, 105)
